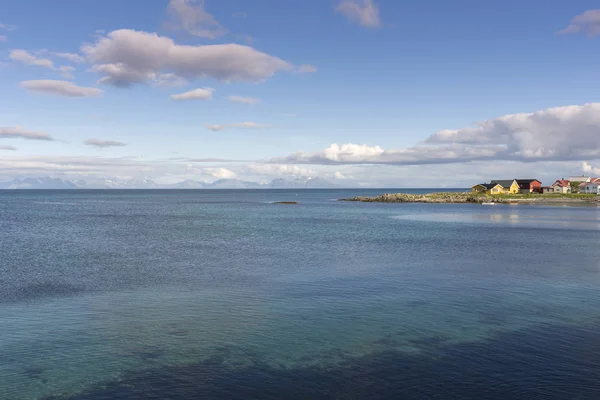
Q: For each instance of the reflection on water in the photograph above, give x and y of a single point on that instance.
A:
(523, 217)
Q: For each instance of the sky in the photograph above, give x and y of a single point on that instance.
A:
(373, 93)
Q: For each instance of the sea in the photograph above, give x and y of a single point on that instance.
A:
(222, 294)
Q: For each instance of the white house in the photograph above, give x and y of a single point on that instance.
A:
(590, 187)
(561, 186)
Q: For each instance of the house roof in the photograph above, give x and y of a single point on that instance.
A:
(505, 183)
(562, 182)
(487, 185)
(579, 178)
(526, 183)
(596, 182)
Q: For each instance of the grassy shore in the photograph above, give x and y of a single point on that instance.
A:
(467, 197)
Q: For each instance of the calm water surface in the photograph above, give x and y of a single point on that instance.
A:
(221, 294)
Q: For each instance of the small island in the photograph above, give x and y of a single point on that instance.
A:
(481, 198)
(286, 202)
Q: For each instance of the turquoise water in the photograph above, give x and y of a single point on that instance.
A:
(221, 294)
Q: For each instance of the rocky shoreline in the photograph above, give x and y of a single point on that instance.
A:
(449, 197)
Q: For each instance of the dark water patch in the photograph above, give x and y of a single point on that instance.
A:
(494, 317)
(548, 362)
(41, 290)
(33, 372)
(417, 303)
(148, 353)
(434, 341)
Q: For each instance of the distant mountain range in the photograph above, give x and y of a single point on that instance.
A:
(112, 183)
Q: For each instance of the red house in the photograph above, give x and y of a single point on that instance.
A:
(529, 186)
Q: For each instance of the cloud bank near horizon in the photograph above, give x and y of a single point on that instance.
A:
(567, 133)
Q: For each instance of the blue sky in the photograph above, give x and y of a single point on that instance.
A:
(347, 90)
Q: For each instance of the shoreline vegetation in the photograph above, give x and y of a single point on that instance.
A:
(467, 197)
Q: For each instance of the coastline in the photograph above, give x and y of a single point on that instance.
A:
(450, 197)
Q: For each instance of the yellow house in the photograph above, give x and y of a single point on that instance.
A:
(508, 186)
(497, 187)
(487, 188)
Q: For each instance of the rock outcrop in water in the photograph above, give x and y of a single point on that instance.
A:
(457, 197)
(424, 198)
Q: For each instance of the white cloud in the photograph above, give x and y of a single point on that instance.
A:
(120, 75)
(73, 57)
(66, 71)
(60, 88)
(244, 100)
(103, 143)
(79, 166)
(191, 16)
(3, 38)
(27, 58)
(363, 12)
(241, 125)
(587, 168)
(196, 94)
(567, 133)
(9, 148)
(169, 80)
(280, 170)
(219, 173)
(339, 175)
(127, 56)
(17, 132)
(306, 69)
(588, 22)
(335, 153)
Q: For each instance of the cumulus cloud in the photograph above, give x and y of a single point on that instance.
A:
(196, 94)
(567, 133)
(588, 169)
(60, 88)
(239, 125)
(120, 75)
(219, 173)
(363, 12)
(3, 38)
(66, 71)
(73, 57)
(127, 56)
(244, 100)
(26, 58)
(339, 175)
(280, 170)
(103, 143)
(9, 148)
(17, 132)
(190, 16)
(588, 22)
(169, 80)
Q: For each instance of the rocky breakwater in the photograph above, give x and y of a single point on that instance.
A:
(465, 197)
(426, 198)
